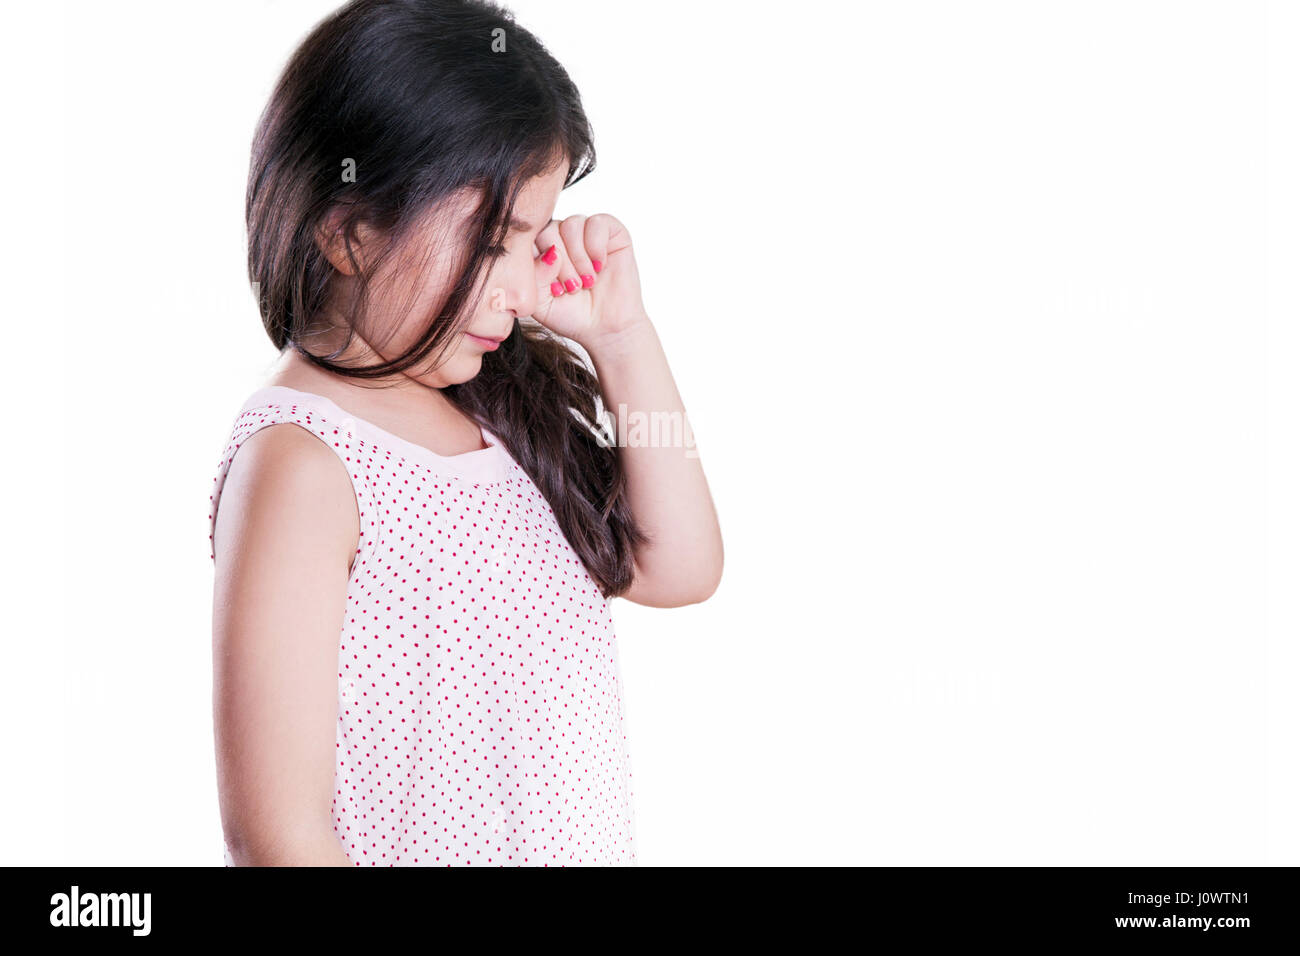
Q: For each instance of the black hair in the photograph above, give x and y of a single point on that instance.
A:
(414, 93)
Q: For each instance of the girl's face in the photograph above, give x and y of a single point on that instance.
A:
(413, 286)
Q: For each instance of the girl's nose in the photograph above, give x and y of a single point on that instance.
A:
(521, 295)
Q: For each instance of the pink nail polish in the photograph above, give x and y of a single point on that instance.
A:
(570, 285)
(588, 281)
(595, 264)
(557, 289)
(550, 256)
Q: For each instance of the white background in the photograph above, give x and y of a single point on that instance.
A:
(985, 318)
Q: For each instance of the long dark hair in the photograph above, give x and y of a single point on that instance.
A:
(413, 92)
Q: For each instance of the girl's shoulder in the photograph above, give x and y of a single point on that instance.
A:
(286, 461)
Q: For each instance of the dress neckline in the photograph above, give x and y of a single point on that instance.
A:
(466, 462)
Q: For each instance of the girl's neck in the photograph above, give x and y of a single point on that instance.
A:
(403, 406)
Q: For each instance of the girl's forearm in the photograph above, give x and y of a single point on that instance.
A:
(667, 490)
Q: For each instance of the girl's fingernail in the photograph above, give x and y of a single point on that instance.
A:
(550, 256)
(570, 285)
(557, 289)
(588, 281)
(595, 264)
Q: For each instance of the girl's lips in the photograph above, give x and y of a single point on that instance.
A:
(485, 344)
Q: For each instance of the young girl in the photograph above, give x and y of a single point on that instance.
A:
(421, 521)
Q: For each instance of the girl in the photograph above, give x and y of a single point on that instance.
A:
(422, 523)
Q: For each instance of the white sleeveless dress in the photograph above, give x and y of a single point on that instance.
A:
(480, 703)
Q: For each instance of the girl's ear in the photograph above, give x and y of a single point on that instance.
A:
(330, 241)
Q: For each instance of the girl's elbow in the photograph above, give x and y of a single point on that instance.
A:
(711, 584)
(705, 584)
(664, 591)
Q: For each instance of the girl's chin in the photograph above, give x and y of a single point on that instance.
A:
(457, 370)
(464, 366)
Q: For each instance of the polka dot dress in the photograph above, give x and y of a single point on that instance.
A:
(480, 702)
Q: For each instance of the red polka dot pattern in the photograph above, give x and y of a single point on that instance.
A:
(481, 717)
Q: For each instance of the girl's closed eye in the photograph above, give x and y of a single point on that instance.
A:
(498, 251)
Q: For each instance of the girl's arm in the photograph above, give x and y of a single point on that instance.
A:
(286, 532)
(667, 489)
(594, 298)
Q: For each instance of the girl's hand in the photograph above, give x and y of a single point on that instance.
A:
(590, 291)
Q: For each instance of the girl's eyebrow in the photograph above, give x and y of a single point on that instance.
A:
(518, 225)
